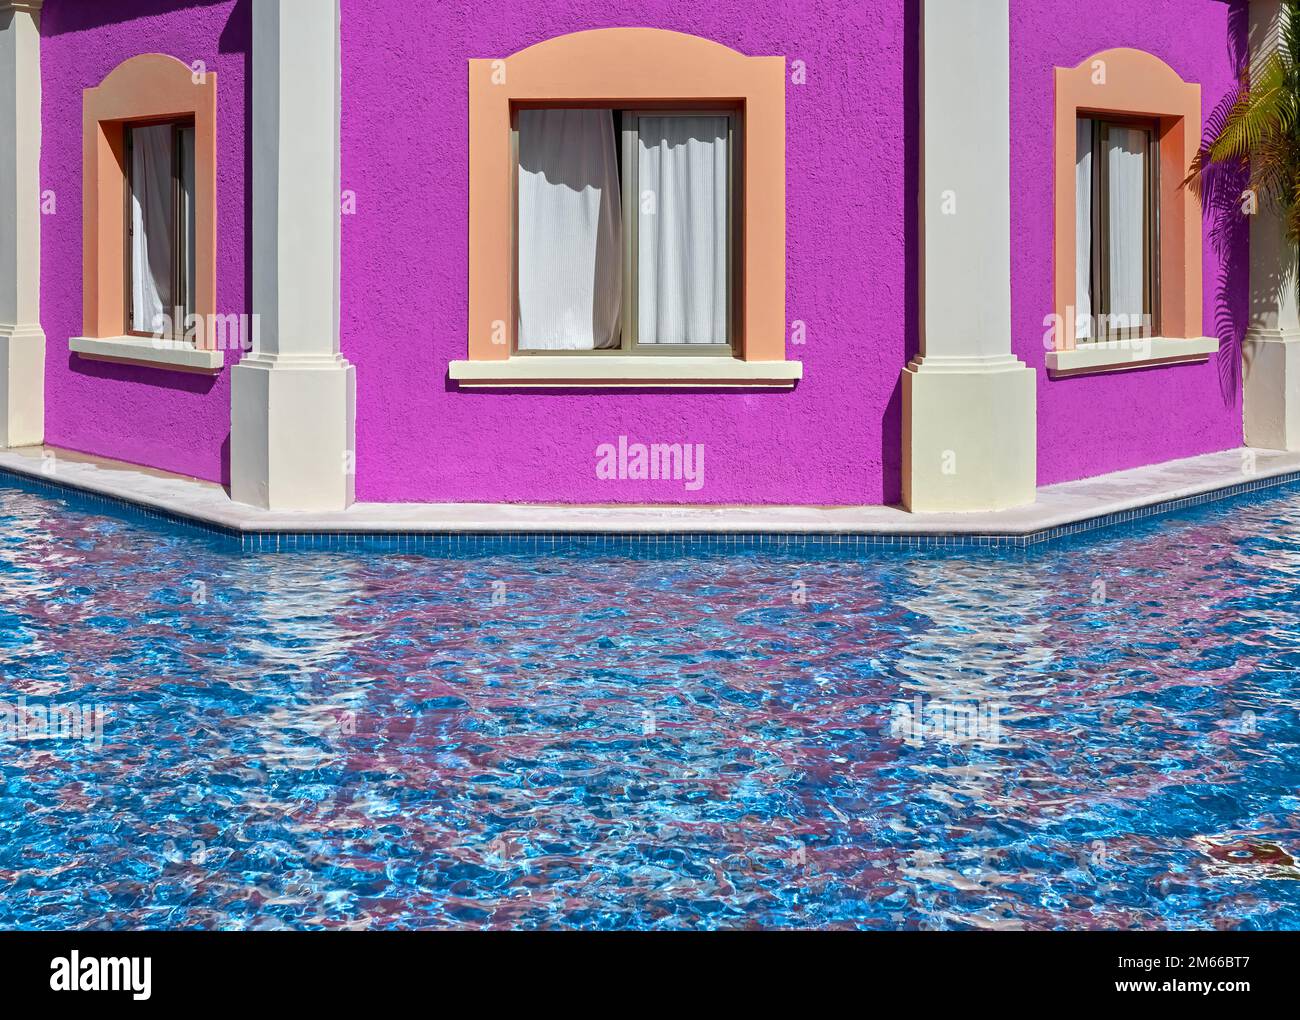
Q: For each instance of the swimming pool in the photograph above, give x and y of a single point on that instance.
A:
(1101, 733)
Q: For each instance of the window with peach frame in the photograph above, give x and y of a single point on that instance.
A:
(601, 109)
(146, 96)
(1127, 89)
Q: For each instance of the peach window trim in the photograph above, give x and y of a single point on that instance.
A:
(1131, 82)
(151, 86)
(617, 66)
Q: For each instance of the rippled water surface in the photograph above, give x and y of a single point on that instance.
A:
(1102, 734)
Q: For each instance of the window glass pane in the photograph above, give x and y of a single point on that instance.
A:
(1126, 155)
(682, 230)
(187, 218)
(570, 232)
(1083, 231)
(152, 255)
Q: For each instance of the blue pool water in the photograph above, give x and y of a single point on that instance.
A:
(1099, 734)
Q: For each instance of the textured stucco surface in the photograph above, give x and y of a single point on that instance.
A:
(1088, 425)
(850, 258)
(405, 285)
(167, 419)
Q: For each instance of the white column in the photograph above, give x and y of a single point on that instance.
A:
(22, 341)
(293, 400)
(1271, 349)
(969, 440)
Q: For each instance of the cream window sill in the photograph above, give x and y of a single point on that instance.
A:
(137, 350)
(1120, 355)
(612, 371)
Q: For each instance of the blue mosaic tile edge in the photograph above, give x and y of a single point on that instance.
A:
(630, 543)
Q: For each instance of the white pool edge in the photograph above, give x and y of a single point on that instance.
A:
(1057, 506)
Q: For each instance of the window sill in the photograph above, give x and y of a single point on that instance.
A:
(615, 371)
(136, 350)
(1121, 355)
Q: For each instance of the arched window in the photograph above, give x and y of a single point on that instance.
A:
(149, 214)
(1128, 235)
(627, 198)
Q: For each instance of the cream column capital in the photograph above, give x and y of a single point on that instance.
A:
(293, 398)
(22, 341)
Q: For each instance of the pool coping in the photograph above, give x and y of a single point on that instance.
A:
(1062, 509)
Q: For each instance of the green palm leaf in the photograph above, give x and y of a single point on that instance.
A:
(1260, 130)
(1262, 108)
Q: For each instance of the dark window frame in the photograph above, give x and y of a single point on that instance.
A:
(182, 298)
(626, 147)
(1099, 277)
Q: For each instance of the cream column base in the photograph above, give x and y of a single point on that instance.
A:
(22, 386)
(970, 439)
(293, 433)
(1271, 389)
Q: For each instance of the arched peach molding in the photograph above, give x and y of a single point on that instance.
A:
(1135, 83)
(145, 87)
(617, 66)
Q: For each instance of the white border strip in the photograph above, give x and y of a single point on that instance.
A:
(1057, 505)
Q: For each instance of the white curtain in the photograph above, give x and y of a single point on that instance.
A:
(1083, 230)
(570, 231)
(682, 230)
(151, 242)
(1127, 168)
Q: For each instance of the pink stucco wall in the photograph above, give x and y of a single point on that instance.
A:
(1092, 424)
(405, 284)
(173, 420)
(851, 165)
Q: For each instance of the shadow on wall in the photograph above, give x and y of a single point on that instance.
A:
(237, 37)
(60, 16)
(1232, 231)
(891, 423)
(1221, 201)
(187, 382)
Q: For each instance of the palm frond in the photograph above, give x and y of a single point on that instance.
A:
(1260, 108)
(1257, 130)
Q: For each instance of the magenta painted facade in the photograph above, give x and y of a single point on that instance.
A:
(1092, 424)
(833, 440)
(852, 158)
(165, 419)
